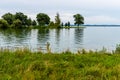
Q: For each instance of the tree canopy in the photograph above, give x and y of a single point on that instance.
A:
(8, 17)
(17, 24)
(43, 19)
(79, 19)
(57, 20)
(19, 19)
(3, 23)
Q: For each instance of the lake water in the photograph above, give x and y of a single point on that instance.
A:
(61, 39)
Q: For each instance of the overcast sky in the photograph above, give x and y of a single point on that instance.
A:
(94, 11)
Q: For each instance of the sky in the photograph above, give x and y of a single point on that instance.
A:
(94, 11)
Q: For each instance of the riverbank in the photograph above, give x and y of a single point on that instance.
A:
(49, 27)
(27, 65)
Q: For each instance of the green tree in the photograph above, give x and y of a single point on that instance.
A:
(34, 23)
(8, 17)
(3, 23)
(62, 24)
(51, 24)
(57, 20)
(29, 22)
(43, 19)
(79, 19)
(17, 23)
(21, 17)
(68, 24)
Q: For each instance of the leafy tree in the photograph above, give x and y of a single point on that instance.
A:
(57, 20)
(3, 23)
(34, 23)
(79, 19)
(8, 17)
(62, 24)
(68, 24)
(17, 23)
(29, 22)
(43, 19)
(21, 17)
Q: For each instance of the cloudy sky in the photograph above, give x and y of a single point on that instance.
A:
(94, 11)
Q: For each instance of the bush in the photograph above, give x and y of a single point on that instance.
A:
(3, 23)
(17, 23)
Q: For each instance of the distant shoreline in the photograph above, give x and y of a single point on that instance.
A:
(101, 25)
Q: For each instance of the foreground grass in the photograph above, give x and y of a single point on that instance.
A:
(26, 65)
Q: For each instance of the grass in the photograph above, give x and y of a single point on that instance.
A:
(84, 65)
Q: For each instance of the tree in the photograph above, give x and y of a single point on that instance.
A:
(62, 24)
(68, 24)
(21, 17)
(34, 23)
(57, 20)
(17, 23)
(79, 19)
(29, 22)
(43, 19)
(3, 23)
(51, 24)
(8, 17)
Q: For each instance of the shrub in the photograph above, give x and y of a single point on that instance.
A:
(3, 23)
(17, 23)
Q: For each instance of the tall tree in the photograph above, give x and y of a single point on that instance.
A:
(43, 19)
(79, 19)
(21, 17)
(57, 20)
(68, 24)
(8, 17)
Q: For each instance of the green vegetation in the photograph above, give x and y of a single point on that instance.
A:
(9, 18)
(23, 64)
(79, 19)
(3, 23)
(57, 21)
(20, 20)
(43, 19)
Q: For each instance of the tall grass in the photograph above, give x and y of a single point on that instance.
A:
(84, 65)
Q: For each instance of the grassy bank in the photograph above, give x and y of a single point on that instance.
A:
(27, 65)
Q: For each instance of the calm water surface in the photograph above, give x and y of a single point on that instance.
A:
(61, 39)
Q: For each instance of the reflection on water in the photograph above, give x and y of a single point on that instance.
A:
(13, 37)
(78, 37)
(59, 39)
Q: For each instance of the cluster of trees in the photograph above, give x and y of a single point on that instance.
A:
(19, 20)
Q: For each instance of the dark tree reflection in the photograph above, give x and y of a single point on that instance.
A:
(79, 32)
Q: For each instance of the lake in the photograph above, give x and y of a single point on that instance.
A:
(74, 39)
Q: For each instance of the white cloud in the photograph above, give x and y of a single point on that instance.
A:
(95, 11)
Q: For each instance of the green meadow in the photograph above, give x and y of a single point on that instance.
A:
(83, 65)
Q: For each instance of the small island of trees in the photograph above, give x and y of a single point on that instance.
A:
(20, 20)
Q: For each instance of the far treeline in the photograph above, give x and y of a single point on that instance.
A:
(20, 20)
